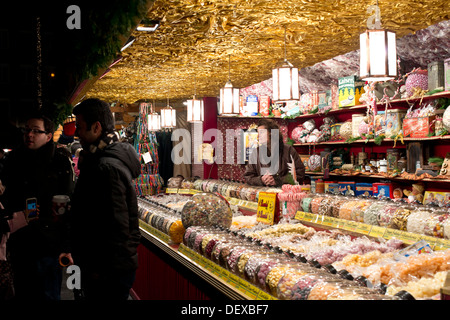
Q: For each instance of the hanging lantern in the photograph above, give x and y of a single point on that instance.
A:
(378, 50)
(153, 118)
(195, 110)
(168, 117)
(154, 122)
(285, 80)
(229, 97)
(229, 100)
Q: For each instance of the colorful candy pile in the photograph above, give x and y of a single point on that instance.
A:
(206, 209)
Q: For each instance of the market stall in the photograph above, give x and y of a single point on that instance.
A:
(324, 246)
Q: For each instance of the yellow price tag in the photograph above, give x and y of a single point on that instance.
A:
(172, 190)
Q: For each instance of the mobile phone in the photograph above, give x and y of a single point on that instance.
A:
(31, 206)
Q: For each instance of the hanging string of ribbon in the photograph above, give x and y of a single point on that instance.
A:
(149, 182)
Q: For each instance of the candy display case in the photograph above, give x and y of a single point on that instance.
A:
(322, 253)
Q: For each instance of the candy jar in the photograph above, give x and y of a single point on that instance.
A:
(263, 270)
(207, 252)
(276, 273)
(372, 212)
(345, 210)
(323, 289)
(206, 209)
(176, 231)
(204, 242)
(434, 225)
(400, 218)
(417, 79)
(315, 203)
(417, 220)
(358, 210)
(304, 284)
(351, 292)
(385, 217)
(290, 278)
(336, 206)
(244, 258)
(306, 203)
(251, 266)
(325, 206)
(187, 234)
(233, 257)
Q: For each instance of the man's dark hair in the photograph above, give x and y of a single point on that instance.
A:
(49, 126)
(94, 110)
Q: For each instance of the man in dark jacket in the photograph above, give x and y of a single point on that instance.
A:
(36, 170)
(104, 228)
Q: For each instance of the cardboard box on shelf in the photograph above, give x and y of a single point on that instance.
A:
(383, 189)
(418, 127)
(347, 188)
(350, 90)
(332, 187)
(363, 188)
(437, 197)
(264, 104)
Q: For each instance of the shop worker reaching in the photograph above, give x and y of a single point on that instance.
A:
(268, 163)
(104, 226)
(34, 173)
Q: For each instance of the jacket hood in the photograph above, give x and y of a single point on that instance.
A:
(126, 153)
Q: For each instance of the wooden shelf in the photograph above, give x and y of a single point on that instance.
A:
(379, 177)
(436, 138)
(444, 94)
(308, 115)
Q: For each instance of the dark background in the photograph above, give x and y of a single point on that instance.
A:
(72, 55)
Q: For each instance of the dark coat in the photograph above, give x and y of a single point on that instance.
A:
(253, 172)
(39, 174)
(104, 224)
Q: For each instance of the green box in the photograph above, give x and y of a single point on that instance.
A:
(350, 90)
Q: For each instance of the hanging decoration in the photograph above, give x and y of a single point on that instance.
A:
(229, 97)
(195, 108)
(154, 120)
(168, 117)
(285, 80)
(149, 182)
(378, 50)
(39, 62)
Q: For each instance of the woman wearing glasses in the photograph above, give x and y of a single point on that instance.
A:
(38, 171)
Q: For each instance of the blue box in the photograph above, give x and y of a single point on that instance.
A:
(347, 188)
(332, 187)
(365, 189)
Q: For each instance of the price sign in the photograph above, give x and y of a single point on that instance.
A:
(268, 209)
(171, 190)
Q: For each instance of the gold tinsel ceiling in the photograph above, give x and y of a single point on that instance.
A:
(189, 51)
